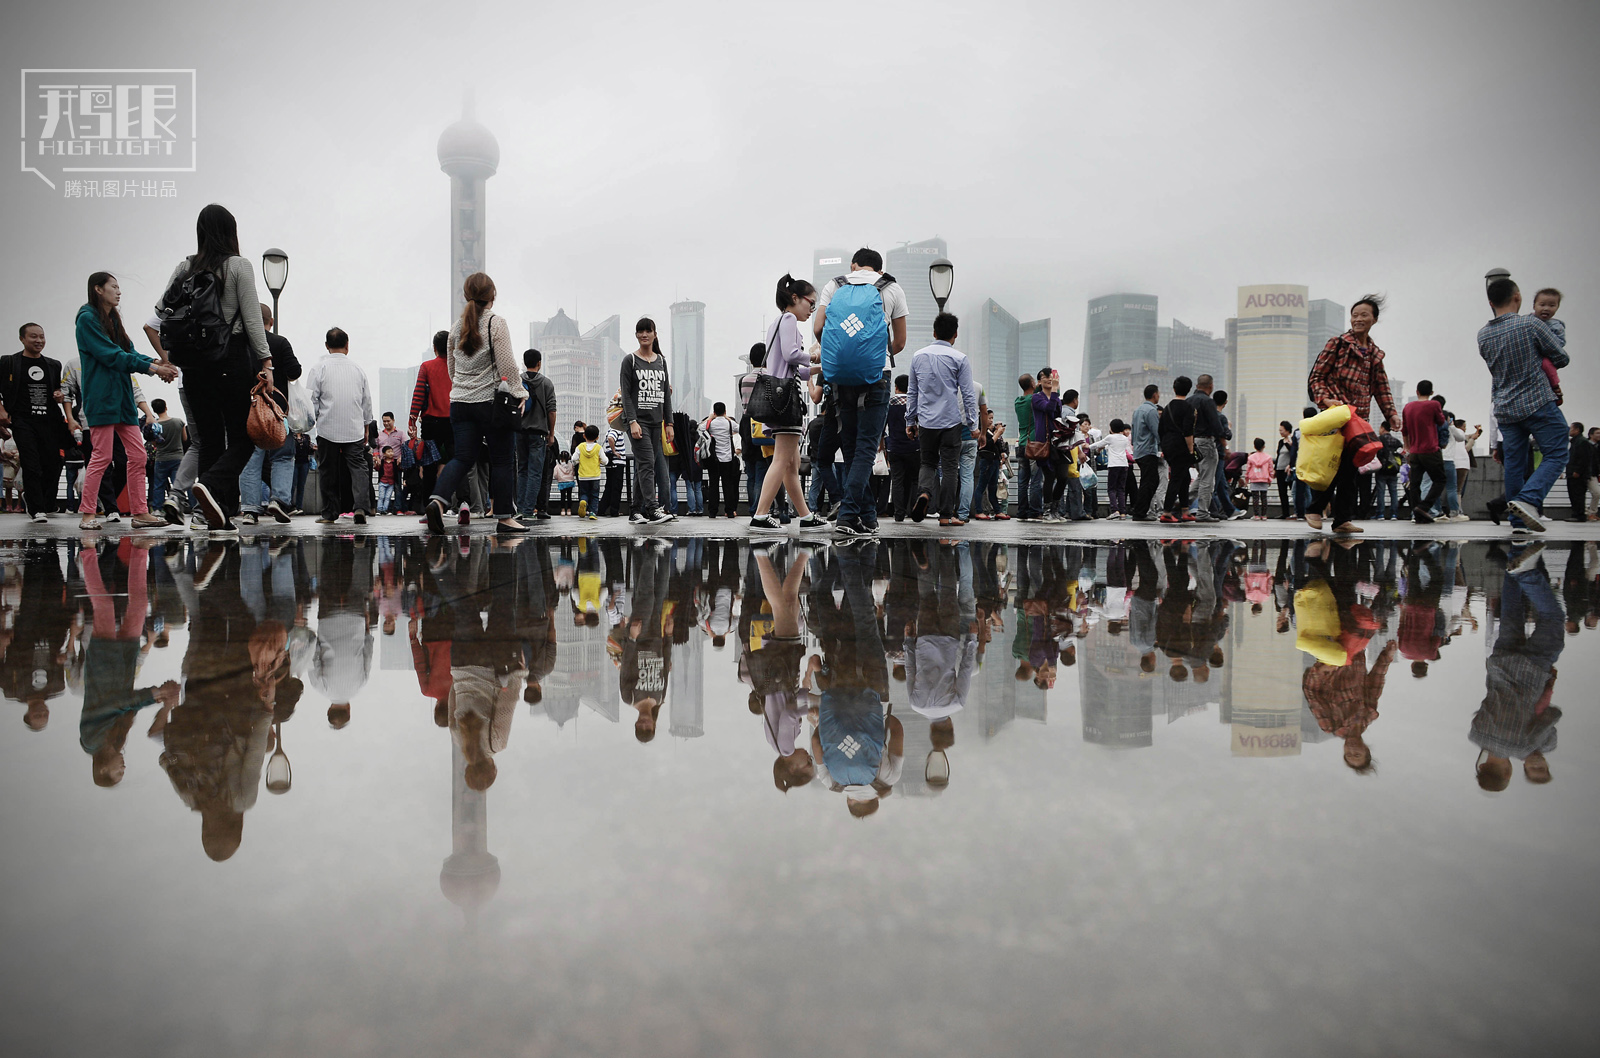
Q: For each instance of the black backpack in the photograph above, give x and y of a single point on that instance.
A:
(193, 331)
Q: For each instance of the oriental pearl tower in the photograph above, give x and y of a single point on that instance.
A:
(469, 154)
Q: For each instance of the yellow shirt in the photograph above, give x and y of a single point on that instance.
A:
(589, 457)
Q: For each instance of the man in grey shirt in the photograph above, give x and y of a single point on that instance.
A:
(1208, 432)
(536, 440)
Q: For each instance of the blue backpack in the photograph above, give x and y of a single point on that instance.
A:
(857, 334)
(850, 727)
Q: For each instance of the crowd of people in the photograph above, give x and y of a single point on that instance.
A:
(858, 661)
(481, 433)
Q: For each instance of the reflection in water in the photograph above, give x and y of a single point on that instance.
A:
(861, 664)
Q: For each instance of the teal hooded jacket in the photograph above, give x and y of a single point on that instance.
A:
(107, 390)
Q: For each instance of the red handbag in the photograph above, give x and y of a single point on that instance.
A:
(1360, 436)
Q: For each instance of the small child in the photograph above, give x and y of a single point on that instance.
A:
(12, 461)
(1258, 475)
(592, 460)
(388, 475)
(1546, 304)
(565, 481)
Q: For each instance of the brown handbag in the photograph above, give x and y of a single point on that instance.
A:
(265, 423)
(1036, 450)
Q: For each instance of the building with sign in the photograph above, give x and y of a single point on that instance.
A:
(829, 264)
(909, 263)
(1271, 376)
(1119, 327)
(686, 362)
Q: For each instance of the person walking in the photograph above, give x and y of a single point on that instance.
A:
(722, 466)
(536, 440)
(1515, 347)
(480, 360)
(1349, 370)
(107, 360)
(942, 410)
(166, 453)
(341, 400)
(430, 413)
(1420, 423)
(33, 406)
(1208, 438)
(1580, 467)
(219, 389)
(786, 358)
(647, 414)
(1177, 445)
(1146, 452)
(857, 359)
(278, 463)
(901, 451)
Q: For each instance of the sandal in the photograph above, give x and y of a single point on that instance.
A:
(90, 525)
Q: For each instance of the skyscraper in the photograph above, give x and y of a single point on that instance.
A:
(1118, 327)
(1324, 321)
(469, 153)
(1194, 352)
(909, 263)
(1270, 384)
(991, 338)
(1033, 347)
(686, 365)
(829, 263)
(1120, 389)
(395, 385)
(574, 367)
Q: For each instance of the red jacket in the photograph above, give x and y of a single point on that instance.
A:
(432, 395)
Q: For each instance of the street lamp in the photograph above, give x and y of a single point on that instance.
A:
(275, 270)
(941, 277)
(1495, 273)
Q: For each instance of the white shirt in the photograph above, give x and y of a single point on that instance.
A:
(723, 430)
(894, 298)
(1457, 452)
(341, 400)
(1116, 448)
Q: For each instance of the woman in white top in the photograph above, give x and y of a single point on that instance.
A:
(786, 358)
(1117, 444)
(480, 358)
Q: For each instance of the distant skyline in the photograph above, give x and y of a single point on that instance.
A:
(1052, 182)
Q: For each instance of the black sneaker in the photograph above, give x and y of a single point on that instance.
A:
(360, 518)
(658, 518)
(1497, 509)
(850, 530)
(172, 512)
(766, 524)
(1422, 517)
(435, 514)
(812, 523)
(211, 510)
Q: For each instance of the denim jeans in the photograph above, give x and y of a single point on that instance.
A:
(822, 465)
(1452, 499)
(1548, 427)
(693, 492)
(969, 464)
(161, 475)
(470, 423)
(279, 477)
(385, 497)
(985, 486)
(1387, 495)
(1030, 486)
(531, 449)
(589, 492)
(300, 472)
(862, 410)
(755, 473)
(1221, 503)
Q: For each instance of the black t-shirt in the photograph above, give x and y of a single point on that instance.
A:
(28, 385)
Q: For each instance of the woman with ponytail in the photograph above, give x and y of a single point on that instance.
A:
(106, 359)
(480, 358)
(787, 358)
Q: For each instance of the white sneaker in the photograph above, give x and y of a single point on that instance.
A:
(40, 519)
(1461, 516)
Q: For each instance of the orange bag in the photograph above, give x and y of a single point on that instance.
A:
(1359, 433)
(265, 424)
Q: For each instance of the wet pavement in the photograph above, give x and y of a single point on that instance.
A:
(681, 795)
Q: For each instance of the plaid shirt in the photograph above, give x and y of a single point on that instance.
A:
(1513, 346)
(1348, 374)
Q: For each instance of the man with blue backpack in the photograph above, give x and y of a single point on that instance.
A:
(861, 322)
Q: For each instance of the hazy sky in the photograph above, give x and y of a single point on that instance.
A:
(651, 152)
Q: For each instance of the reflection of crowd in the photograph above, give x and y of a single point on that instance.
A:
(856, 658)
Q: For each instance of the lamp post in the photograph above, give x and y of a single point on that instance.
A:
(275, 270)
(941, 277)
(1495, 273)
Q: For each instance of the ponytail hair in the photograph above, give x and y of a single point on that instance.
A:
(479, 291)
(647, 324)
(791, 289)
(110, 319)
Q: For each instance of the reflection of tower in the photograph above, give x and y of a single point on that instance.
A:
(686, 688)
(469, 153)
(471, 874)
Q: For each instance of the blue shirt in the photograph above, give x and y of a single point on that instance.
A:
(1146, 430)
(1512, 346)
(942, 393)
